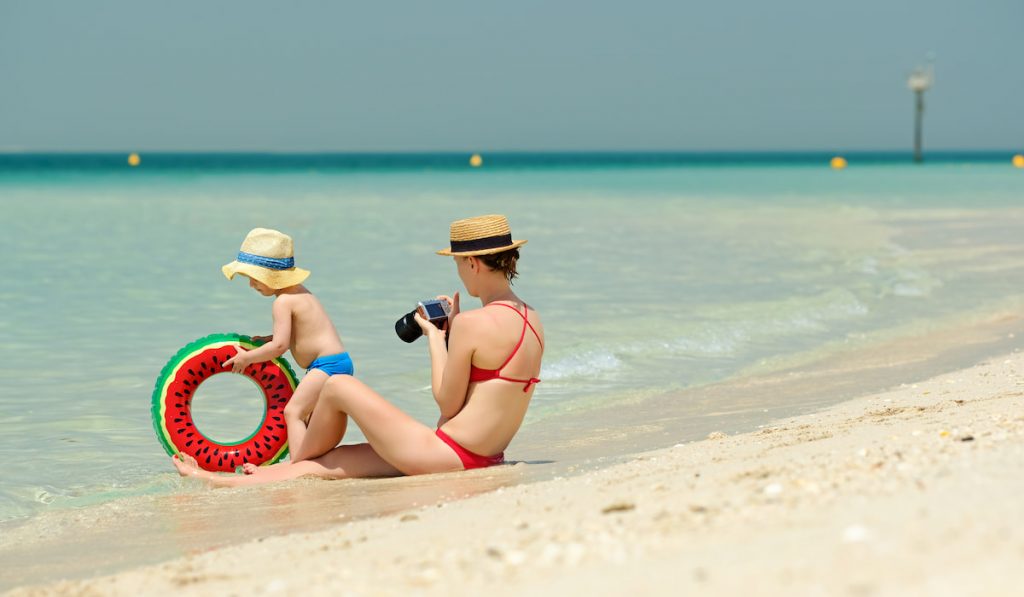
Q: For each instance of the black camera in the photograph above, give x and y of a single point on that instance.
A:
(434, 310)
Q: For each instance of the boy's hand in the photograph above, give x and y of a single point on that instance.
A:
(239, 362)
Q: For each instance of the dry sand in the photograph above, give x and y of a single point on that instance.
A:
(919, 490)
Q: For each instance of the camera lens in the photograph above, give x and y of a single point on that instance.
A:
(407, 328)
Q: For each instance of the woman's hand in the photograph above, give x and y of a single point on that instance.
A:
(239, 362)
(453, 306)
(425, 325)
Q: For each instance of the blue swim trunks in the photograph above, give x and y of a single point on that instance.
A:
(335, 364)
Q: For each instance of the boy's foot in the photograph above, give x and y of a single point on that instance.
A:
(249, 468)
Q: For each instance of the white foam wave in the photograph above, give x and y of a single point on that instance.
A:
(733, 332)
(591, 362)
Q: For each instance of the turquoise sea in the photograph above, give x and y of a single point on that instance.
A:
(656, 275)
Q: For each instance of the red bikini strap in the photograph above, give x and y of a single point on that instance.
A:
(526, 322)
(522, 337)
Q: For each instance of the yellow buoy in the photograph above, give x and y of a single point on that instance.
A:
(476, 161)
(1018, 161)
(134, 160)
(838, 162)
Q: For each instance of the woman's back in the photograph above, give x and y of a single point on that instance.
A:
(507, 348)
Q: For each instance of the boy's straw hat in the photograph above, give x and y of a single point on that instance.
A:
(267, 255)
(482, 235)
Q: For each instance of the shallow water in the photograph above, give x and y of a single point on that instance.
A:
(652, 282)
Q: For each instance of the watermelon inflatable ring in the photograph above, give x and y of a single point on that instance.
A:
(187, 370)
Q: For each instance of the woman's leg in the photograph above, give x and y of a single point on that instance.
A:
(343, 462)
(301, 404)
(405, 443)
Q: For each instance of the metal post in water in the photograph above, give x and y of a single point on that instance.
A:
(919, 82)
(918, 117)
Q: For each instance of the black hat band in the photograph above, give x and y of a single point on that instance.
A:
(481, 244)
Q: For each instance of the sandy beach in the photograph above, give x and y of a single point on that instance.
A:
(767, 274)
(911, 491)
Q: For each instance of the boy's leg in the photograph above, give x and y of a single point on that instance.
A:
(300, 405)
(326, 427)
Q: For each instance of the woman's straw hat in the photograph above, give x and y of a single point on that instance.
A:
(268, 256)
(482, 235)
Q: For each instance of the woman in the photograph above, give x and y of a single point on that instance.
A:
(483, 372)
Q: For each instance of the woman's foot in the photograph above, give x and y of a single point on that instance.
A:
(186, 465)
(249, 468)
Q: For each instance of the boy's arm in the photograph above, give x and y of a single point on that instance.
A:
(278, 344)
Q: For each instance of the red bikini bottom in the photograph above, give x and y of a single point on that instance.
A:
(469, 459)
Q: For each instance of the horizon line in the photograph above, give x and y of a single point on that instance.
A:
(482, 152)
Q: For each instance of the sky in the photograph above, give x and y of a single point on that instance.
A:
(318, 75)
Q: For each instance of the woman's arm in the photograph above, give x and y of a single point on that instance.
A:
(449, 366)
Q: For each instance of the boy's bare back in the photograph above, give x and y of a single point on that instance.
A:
(310, 332)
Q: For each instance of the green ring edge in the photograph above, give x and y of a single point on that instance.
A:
(189, 349)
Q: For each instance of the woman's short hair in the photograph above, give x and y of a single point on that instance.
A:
(504, 262)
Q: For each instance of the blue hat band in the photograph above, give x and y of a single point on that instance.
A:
(267, 262)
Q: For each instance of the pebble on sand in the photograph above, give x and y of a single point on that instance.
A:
(618, 507)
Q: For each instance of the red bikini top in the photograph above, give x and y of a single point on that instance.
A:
(478, 374)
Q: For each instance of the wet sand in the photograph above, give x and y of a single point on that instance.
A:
(909, 491)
